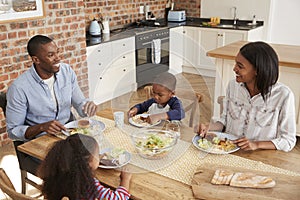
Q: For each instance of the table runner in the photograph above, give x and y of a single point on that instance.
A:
(183, 169)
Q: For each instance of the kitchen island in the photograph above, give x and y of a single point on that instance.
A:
(289, 71)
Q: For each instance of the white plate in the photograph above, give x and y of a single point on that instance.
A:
(214, 150)
(126, 161)
(74, 124)
(145, 125)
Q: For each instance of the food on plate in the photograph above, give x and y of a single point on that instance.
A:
(85, 131)
(212, 141)
(114, 157)
(83, 123)
(140, 119)
(241, 179)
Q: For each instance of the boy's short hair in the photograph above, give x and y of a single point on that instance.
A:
(167, 80)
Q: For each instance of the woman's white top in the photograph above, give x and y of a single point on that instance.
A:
(259, 120)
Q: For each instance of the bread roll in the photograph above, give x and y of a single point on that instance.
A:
(83, 123)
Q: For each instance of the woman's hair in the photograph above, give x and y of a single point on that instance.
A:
(66, 171)
(265, 61)
(33, 46)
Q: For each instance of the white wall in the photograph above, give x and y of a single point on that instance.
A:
(245, 10)
(285, 22)
(281, 17)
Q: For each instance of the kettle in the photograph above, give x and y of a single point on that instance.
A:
(95, 29)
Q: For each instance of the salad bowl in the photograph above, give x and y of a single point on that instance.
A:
(154, 143)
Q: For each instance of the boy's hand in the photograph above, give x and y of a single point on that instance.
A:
(132, 112)
(152, 119)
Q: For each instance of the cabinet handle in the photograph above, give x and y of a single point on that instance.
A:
(99, 50)
(183, 32)
(124, 70)
(124, 45)
(99, 64)
(124, 56)
(100, 78)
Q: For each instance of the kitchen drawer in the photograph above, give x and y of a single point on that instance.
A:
(99, 56)
(124, 60)
(124, 46)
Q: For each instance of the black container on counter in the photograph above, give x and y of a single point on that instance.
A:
(167, 12)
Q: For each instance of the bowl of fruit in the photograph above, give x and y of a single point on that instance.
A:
(153, 143)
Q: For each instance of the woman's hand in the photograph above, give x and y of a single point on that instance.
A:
(201, 129)
(246, 144)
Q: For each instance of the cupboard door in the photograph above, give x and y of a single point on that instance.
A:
(176, 50)
(192, 45)
(122, 47)
(98, 60)
(113, 83)
(286, 75)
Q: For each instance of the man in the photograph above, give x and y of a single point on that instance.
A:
(40, 100)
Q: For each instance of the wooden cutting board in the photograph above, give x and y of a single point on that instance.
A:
(287, 187)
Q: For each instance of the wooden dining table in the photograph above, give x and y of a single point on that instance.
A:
(152, 185)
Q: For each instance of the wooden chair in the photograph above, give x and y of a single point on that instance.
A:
(26, 163)
(198, 98)
(8, 188)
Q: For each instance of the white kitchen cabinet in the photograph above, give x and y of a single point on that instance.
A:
(192, 46)
(176, 50)
(111, 69)
(286, 76)
(198, 41)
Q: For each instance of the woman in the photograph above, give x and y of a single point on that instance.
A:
(257, 109)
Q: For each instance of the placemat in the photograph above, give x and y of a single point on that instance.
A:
(190, 159)
(121, 138)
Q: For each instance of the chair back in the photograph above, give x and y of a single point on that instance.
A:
(8, 188)
(3, 101)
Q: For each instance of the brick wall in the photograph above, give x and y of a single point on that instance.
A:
(66, 22)
(121, 11)
(192, 7)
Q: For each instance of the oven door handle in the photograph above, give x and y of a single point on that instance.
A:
(151, 41)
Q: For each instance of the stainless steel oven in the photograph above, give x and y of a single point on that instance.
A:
(146, 68)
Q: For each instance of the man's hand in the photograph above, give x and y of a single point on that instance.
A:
(90, 108)
(51, 127)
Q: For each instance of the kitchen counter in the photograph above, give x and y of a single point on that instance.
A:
(135, 29)
(288, 54)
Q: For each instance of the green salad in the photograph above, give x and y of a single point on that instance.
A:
(154, 142)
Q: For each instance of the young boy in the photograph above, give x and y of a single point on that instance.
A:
(164, 105)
